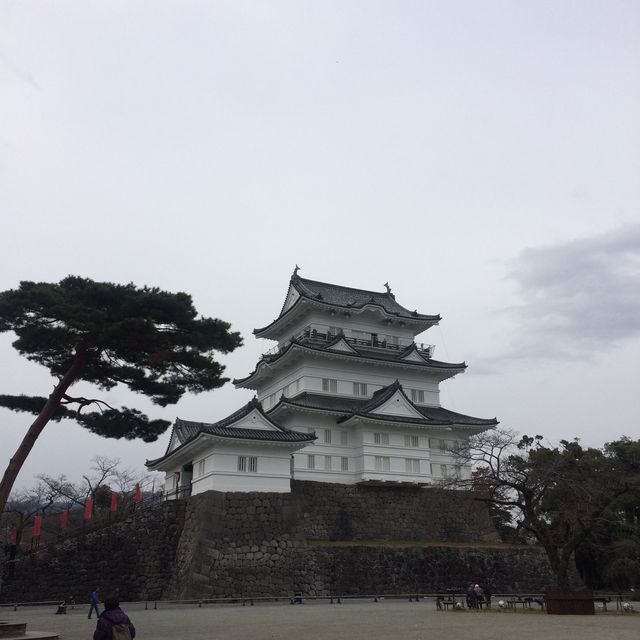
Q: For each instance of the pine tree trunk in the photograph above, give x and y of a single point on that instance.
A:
(51, 406)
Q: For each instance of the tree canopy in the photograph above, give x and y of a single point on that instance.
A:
(149, 340)
(562, 496)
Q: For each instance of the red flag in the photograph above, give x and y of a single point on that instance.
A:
(64, 519)
(88, 509)
(138, 496)
(114, 502)
(14, 536)
(37, 526)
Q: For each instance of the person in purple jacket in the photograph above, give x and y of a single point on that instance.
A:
(113, 616)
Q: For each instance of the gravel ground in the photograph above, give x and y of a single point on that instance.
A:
(352, 620)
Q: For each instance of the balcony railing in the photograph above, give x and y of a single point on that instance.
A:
(318, 334)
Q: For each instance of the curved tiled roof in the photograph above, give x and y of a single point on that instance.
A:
(187, 431)
(348, 298)
(360, 353)
(366, 408)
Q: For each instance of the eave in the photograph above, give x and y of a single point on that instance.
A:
(277, 328)
(251, 381)
(438, 425)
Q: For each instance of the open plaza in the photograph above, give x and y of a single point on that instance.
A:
(351, 620)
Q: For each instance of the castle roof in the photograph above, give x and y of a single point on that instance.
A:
(265, 429)
(348, 299)
(351, 350)
(377, 408)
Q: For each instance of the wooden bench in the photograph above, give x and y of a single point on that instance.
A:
(444, 602)
(514, 602)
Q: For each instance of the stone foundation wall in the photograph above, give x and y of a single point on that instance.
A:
(319, 540)
(135, 555)
(348, 512)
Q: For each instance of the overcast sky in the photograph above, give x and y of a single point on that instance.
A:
(482, 157)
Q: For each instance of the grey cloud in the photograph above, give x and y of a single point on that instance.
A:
(578, 297)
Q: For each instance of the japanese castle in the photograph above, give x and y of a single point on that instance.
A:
(346, 396)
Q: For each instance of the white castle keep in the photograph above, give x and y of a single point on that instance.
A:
(346, 396)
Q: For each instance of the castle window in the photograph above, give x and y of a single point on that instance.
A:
(327, 463)
(383, 463)
(242, 463)
(359, 389)
(344, 464)
(412, 465)
(412, 442)
(201, 467)
(253, 464)
(327, 436)
(344, 438)
(311, 461)
(381, 438)
(417, 395)
(329, 385)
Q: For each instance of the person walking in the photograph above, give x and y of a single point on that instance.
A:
(95, 598)
(114, 623)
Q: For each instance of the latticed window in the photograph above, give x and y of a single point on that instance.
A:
(412, 465)
(381, 438)
(344, 438)
(242, 463)
(359, 389)
(311, 461)
(327, 436)
(344, 464)
(253, 464)
(201, 467)
(383, 463)
(412, 442)
(327, 463)
(417, 395)
(329, 385)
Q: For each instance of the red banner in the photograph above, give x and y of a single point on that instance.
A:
(88, 509)
(138, 496)
(14, 536)
(37, 526)
(114, 502)
(64, 519)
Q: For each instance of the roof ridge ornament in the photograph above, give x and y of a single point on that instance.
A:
(295, 272)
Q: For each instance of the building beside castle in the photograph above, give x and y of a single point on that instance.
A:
(346, 396)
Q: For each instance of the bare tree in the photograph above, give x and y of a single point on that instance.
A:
(102, 471)
(24, 505)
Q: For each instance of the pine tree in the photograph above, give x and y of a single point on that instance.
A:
(148, 340)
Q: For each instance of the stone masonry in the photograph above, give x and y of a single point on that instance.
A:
(320, 539)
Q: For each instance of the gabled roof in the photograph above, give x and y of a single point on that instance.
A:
(266, 430)
(344, 298)
(350, 408)
(356, 352)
